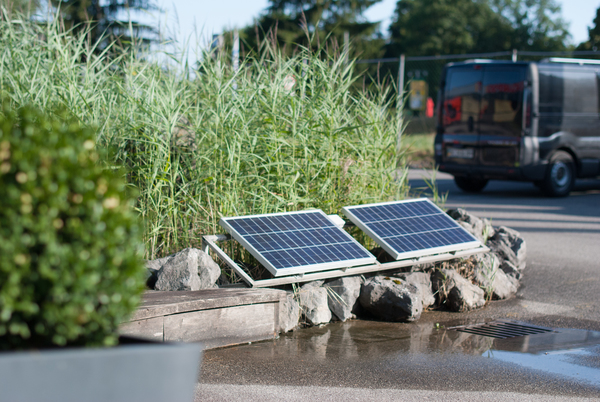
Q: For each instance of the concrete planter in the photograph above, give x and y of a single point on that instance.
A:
(133, 371)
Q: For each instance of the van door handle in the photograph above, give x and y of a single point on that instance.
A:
(470, 124)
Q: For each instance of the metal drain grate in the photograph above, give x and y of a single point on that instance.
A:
(502, 329)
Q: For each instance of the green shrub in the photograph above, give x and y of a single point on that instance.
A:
(70, 244)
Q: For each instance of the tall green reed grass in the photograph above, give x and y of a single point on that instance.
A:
(218, 142)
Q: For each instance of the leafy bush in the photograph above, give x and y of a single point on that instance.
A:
(70, 244)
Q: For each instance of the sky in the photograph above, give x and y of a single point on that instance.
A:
(185, 19)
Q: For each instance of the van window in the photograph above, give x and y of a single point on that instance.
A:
(551, 90)
(568, 90)
(462, 98)
(580, 92)
(501, 105)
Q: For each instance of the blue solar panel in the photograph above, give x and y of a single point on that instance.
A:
(297, 242)
(406, 229)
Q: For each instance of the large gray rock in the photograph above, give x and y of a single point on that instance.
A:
(289, 313)
(313, 303)
(422, 282)
(208, 270)
(456, 292)
(510, 246)
(189, 269)
(343, 296)
(493, 280)
(153, 266)
(482, 229)
(179, 271)
(391, 299)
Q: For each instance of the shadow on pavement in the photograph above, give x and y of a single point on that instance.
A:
(521, 205)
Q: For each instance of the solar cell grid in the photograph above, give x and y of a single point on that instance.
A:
(406, 229)
(297, 242)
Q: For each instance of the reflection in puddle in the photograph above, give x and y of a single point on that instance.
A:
(563, 363)
(568, 353)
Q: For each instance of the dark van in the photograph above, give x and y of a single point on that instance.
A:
(528, 121)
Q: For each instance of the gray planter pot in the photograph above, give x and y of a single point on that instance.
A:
(133, 371)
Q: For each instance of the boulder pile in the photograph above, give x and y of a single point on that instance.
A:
(460, 285)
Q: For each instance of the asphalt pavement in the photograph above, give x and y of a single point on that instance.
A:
(427, 360)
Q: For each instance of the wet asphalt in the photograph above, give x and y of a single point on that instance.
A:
(427, 360)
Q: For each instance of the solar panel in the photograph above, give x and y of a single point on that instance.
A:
(411, 228)
(297, 242)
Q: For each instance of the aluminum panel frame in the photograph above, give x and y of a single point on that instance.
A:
(209, 242)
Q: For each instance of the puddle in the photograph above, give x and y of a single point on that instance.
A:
(371, 354)
(565, 363)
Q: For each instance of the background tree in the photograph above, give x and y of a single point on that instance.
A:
(26, 7)
(317, 23)
(428, 27)
(536, 24)
(593, 43)
(108, 20)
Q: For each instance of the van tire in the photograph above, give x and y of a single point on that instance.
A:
(470, 184)
(560, 175)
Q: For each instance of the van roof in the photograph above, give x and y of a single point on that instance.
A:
(550, 60)
(486, 61)
(569, 60)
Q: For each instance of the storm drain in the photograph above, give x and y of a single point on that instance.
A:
(502, 329)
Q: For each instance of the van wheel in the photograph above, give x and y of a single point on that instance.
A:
(470, 184)
(560, 175)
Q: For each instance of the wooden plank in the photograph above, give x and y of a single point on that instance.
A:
(156, 304)
(224, 326)
(148, 329)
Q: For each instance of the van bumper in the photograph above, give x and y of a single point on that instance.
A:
(525, 173)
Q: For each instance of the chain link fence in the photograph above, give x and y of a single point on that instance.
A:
(429, 69)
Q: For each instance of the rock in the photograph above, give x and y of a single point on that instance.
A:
(510, 270)
(482, 229)
(189, 269)
(289, 313)
(313, 303)
(423, 267)
(391, 299)
(313, 284)
(179, 271)
(491, 278)
(153, 266)
(422, 282)
(343, 296)
(455, 292)
(510, 246)
(208, 270)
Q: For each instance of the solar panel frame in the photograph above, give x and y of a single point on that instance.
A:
(344, 237)
(388, 246)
